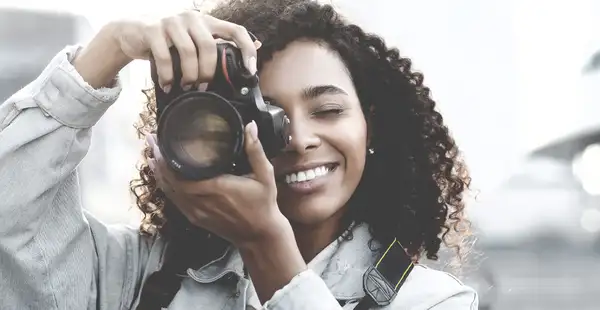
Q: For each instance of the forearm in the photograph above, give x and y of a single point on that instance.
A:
(272, 263)
(102, 59)
(44, 135)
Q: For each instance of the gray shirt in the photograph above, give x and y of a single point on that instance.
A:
(54, 255)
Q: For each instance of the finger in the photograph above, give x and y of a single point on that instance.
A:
(168, 176)
(161, 182)
(261, 166)
(239, 35)
(207, 50)
(151, 140)
(158, 165)
(186, 49)
(159, 48)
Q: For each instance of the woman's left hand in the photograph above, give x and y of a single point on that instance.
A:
(240, 209)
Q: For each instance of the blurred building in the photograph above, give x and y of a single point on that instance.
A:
(29, 39)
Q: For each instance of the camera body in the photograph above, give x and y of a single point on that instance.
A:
(201, 133)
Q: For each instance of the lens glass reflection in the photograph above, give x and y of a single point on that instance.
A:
(198, 135)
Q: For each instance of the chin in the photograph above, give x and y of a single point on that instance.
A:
(311, 211)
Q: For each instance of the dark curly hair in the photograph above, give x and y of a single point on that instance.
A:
(416, 172)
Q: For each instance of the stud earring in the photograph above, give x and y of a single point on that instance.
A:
(371, 151)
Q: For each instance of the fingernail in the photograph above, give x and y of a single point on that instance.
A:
(166, 89)
(156, 151)
(187, 87)
(253, 130)
(251, 64)
(149, 139)
(257, 44)
(202, 86)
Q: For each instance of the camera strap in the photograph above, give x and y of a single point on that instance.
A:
(383, 280)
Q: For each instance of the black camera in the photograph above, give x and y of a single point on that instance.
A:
(201, 133)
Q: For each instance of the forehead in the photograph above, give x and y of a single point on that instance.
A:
(301, 65)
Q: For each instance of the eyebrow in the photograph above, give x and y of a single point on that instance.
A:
(313, 92)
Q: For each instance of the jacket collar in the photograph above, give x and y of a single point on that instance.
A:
(343, 275)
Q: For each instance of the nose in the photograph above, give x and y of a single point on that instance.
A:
(303, 137)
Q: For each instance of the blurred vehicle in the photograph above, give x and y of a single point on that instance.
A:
(542, 245)
(582, 152)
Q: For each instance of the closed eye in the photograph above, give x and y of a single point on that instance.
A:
(329, 112)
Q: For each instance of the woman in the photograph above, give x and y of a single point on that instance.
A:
(386, 170)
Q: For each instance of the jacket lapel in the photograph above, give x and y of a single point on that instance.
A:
(343, 274)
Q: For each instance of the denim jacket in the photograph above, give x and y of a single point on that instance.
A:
(54, 255)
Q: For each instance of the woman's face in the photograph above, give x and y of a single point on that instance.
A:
(322, 166)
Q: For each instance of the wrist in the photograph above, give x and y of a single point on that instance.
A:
(101, 60)
(273, 261)
(279, 234)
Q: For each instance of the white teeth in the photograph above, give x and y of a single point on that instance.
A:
(301, 176)
(320, 171)
(306, 175)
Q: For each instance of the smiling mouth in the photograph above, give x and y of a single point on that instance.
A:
(309, 174)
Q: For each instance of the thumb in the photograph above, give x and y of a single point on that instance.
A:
(262, 168)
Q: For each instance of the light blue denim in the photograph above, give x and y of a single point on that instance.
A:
(54, 255)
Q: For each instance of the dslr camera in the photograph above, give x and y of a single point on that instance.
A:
(201, 133)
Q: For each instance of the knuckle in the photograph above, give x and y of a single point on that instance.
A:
(162, 59)
(187, 50)
(204, 73)
(170, 21)
(151, 32)
(207, 62)
(206, 44)
(153, 28)
(189, 14)
(269, 169)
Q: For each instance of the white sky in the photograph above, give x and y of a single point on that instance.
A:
(506, 74)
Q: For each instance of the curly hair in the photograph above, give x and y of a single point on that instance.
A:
(416, 172)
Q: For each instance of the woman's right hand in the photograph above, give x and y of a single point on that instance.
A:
(191, 32)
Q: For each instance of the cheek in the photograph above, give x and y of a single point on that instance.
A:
(353, 137)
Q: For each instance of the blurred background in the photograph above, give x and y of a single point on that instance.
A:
(518, 83)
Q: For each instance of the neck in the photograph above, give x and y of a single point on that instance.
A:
(312, 239)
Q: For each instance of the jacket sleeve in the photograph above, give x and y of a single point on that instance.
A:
(47, 252)
(308, 291)
(463, 298)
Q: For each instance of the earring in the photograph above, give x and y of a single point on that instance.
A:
(371, 151)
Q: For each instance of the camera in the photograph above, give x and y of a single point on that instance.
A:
(201, 133)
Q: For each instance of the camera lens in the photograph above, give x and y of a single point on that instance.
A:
(200, 137)
(200, 130)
